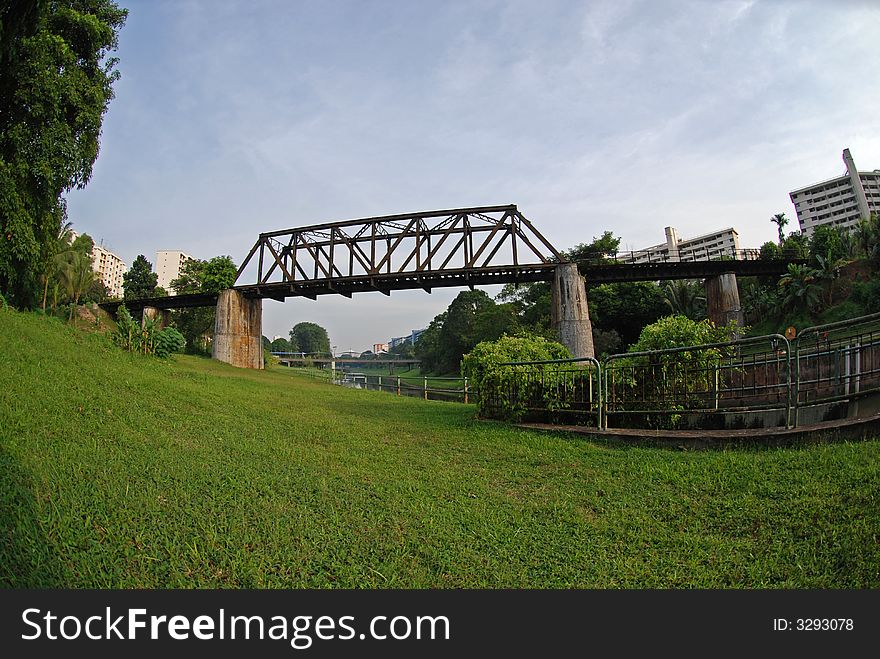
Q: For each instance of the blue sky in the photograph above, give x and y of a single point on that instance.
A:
(233, 118)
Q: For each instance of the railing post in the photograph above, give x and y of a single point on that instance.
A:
(398, 385)
(797, 377)
(465, 391)
(426, 388)
(380, 383)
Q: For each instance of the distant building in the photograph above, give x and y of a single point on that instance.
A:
(724, 242)
(412, 337)
(380, 347)
(840, 201)
(168, 265)
(109, 266)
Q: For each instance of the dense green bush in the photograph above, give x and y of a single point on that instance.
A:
(168, 341)
(669, 380)
(497, 386)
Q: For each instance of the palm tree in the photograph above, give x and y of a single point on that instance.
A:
(59, 243)
(685, 298)
(827, 272)
(76, 275)
(780, 221)
(800, 288)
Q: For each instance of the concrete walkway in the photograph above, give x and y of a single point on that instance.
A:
(840, 430)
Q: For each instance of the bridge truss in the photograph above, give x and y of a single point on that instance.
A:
(459, 247)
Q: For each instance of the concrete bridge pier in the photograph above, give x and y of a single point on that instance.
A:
(238, 330)
(162, 317)
(722, 300)
(569, 312)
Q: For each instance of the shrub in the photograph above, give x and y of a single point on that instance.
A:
(168, 341)
(671, 381)
(497, 386)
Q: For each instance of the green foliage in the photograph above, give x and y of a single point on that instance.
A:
(602, 249)
(827, 244)
(494, 383)
(140, 280)
(680, 332)
(780, 221)
(55, 86)
(796, 245)
(471, 317)
(279, 345)
(168, 341)
(685, 298)
(310, 338)
(867, 295)
(770, 252)
(800, 288)
(650, 378)
(145, 337)
(626, 307)
(75, 275)
(197, 276)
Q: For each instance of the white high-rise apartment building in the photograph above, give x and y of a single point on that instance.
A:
(168, 265)
(841, 201)
(110, 267)
(724, 242)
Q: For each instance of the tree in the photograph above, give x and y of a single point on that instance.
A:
(602, 249)
(626, 307)
(796, 245)
(140, 281)
(51, 249)
(279, 345)
(826, 242)
(780, 221)
(76, 275)
(800, 288)
(197, 276)
(685, 298)
(310, 338)
(770, 251)
(55, 86)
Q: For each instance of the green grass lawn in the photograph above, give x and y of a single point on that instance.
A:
(126, 471)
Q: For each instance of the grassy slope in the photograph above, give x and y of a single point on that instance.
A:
(118, 470)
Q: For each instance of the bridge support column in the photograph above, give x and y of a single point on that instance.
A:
(569, 312)
(238, 329)
(162, 317)
(722, 300)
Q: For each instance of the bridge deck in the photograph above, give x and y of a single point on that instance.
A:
(602, 273)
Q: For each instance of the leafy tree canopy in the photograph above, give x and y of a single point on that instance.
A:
(310, 338)
(140, 280)
(211, 276)
(471, 317)
(55, 86)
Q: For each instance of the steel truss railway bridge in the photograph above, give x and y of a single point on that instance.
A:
(463, 247)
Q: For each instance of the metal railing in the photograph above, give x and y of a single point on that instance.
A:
(837, 361)
(661, 387)
(696, 386)
(561, 389)
(449, 389)
(680, 256)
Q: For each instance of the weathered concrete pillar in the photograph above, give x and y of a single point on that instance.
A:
(238, 330)
(722, 300)
(161, 316)
(569, 312)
